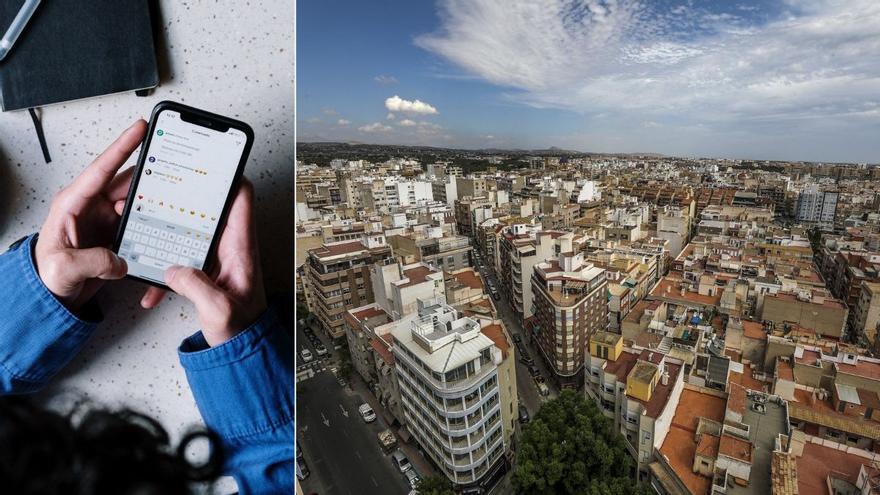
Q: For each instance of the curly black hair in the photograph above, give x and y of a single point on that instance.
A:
(95, 451)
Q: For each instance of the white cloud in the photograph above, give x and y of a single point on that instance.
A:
(390, 116)
(630, 60)
(343, 122)
(374, 127)
(398, 104)
(383, 79)
(330, 112)
(406, 123)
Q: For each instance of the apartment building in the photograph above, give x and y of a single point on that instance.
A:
(815, 309)
(434, 247)
(397, 287)
(570, 305)
(471, 187)
(817, 206)
(520, 247)
(339, 277)
(638, 389)
(471, 212)
(368, 332)
(456, 384)
(674, 225)
(867, 312)
(445, 189)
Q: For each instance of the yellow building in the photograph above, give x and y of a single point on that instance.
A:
(641, 380)
(606, 345)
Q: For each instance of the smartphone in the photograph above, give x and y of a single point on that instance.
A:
(190, 164)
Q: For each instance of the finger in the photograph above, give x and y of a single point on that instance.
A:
(119, 206)
(95, 262)
(240, 221)
(152, 297)
(100, 173)
(197, 287)
(118, 188)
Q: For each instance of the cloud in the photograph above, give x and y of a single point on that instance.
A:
(812, 65)
(313, 120)
(330, 112)
(375, 127)
(386, 80)
(390, 116)
(343, 122)
(398, 104)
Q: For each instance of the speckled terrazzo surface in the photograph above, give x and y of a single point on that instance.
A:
(232, 58)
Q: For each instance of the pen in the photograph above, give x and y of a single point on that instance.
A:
(17, 26)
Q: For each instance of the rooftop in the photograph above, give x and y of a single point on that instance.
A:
(736, 448)
(679, 446)
(819, 462)
(660, 395)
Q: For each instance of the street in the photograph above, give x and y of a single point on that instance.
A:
(341, 451)
(525, 384)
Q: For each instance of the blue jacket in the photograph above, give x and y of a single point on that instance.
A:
(244, 388)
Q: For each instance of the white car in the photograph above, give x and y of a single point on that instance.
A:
(401, 461)
(306, 355)
(320, 349)
(367, 413)
(413, 477)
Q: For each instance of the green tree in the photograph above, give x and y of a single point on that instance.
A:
(435, 485)
(570, 448)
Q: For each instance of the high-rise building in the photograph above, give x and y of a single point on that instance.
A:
(570, 305)
(457, 388)
(520, 247)
(339, 275)
(817, 206)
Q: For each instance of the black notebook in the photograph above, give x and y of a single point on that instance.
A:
(74, 49)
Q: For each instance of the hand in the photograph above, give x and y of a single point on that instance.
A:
(232, 297)
(71, 254)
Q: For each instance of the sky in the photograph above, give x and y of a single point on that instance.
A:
(728, 79)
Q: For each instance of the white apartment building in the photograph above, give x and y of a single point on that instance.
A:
(452, 392)
(817, 206)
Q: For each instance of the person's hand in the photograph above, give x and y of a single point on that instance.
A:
(72, 254)
(232, 296)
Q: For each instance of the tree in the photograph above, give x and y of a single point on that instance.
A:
(435, 485)
(571, 448)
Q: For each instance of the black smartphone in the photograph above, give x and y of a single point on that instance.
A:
(189, 167)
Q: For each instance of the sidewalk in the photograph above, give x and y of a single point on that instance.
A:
(358, 387)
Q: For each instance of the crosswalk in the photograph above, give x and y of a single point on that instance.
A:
(309, 370)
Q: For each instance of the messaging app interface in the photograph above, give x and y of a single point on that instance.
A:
(180, 196)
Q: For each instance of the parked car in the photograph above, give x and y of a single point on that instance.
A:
(387, 440)
(517, 339)
(302, 469)
(306, 355)
(320, 349)
(495, 295)
(534, 371)
(523, 414)
(367, 413)
(413, 477)
(542, 388)
(401, 461)
(526, 359)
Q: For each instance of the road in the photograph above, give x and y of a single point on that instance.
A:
(341, 451)
(525, 385)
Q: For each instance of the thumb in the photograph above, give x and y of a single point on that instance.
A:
(97, 262)
(194, 285)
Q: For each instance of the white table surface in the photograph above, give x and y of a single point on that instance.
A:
(232, 58)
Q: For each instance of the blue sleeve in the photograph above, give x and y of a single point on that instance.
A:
(244, 389)
(38, 335)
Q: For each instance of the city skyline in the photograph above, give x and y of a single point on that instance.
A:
(612, 77)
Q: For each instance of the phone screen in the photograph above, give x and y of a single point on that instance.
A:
(180, 196)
